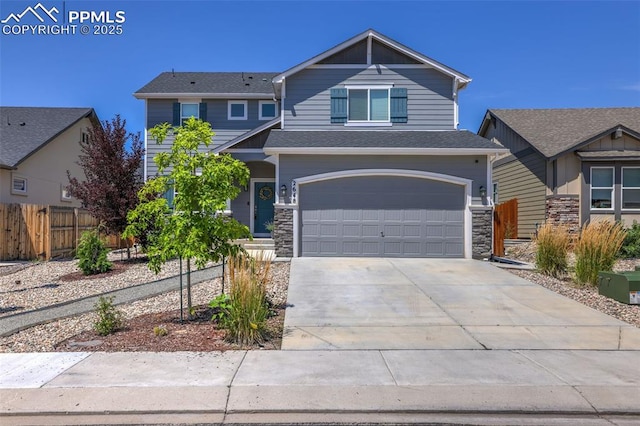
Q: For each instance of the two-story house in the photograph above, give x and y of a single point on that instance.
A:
(354, 152)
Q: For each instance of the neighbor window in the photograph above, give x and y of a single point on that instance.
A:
(187, 111)
(237, 110)
(64, 193)
(267, 110)
(495, 192)
(368, 104)
(602, 188)
(631, 187)
(18, 185)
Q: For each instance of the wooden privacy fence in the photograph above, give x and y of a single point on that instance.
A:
(35, 231)
(505, 224)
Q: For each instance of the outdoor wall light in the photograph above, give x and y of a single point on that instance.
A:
(283, 192)
(483, 191)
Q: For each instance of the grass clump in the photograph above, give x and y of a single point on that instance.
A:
(597, 249)
(552, 248)
(92, 254)
(109, 318)
(247, 309)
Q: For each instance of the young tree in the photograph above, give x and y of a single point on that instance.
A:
(202, 182)
(112, 178)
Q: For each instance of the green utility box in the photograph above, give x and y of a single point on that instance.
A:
(621, 286)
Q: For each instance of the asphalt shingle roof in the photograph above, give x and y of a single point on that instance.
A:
(554, 131)
(377, 139)
(210, 82)
(23, 130)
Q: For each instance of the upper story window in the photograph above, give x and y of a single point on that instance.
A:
(267, 110)
(237, 110)
(188, 110)
(631, 187)
(601, 188)
(368, 105)
(359, 105)
(64, 193)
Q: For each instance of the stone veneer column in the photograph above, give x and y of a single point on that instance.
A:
(481, 230)
(283, 230)
(563, 210)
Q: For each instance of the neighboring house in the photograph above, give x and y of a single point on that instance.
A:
(354, 152)
(567, 165)
(37, 147)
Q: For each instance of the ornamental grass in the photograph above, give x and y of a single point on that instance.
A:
(597, 249)
(552, 248)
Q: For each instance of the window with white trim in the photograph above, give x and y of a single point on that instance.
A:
(368, 104)
(64, 193)
(602, 188)
(237, 110)
(495, 193)
(18, 185)
(188, 110)
(631, 188)
(267, 110)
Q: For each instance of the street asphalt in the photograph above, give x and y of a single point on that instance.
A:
(370, 341)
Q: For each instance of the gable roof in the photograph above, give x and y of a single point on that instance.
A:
(374, 35)
(358, 141)
(553, 132)
(209, 84)
(24, 130)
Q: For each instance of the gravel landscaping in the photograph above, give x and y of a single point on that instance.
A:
(43, 338)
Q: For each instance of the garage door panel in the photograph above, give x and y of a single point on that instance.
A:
(382, 216)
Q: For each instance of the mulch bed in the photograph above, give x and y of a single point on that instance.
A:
(198, 334)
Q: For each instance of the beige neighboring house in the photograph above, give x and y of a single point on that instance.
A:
(37, 147)
(567, 165)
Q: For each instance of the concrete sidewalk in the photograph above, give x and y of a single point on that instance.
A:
(466, 386)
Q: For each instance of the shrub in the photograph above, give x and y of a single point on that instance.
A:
(109, 318)
(92, 254)
(552, 247)
(631, 245)
(597, 249)
(247, 305)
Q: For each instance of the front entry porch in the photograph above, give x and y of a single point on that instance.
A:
(254, 205)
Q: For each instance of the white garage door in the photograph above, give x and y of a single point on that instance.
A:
(382, 217)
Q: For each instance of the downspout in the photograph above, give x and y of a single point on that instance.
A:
(455, 103)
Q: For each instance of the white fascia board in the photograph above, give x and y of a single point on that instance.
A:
(268, 96)
(385, 151)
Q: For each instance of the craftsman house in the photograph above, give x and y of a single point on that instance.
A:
(354, 152)
(568, 166)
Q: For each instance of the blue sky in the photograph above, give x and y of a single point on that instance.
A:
(520, 54)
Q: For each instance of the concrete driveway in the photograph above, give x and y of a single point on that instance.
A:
(367, 303)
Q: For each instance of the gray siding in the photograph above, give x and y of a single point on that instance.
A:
(524, 179)
(507, 137)
(297, 166)
(161, 111)
(429, 97)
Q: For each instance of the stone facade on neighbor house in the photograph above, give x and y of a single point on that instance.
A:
(564, 211)
(354, 152)
(568, 166)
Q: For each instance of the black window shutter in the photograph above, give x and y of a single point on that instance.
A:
(398, 105)
(176, 114)
(338, 105)
(203, 111)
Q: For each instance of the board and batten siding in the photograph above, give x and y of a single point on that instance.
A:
(524, 178)
(429, 96)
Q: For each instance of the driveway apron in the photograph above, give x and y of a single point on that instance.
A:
(383, 303)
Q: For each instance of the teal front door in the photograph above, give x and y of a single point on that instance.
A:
(263, 199)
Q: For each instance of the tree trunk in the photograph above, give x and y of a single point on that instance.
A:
(189, 306)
